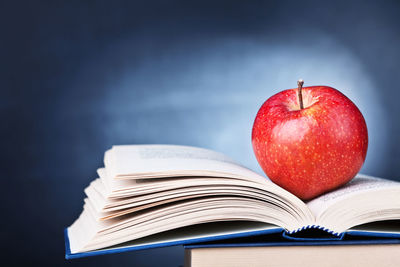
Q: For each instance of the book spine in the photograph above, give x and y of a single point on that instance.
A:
(332, 234)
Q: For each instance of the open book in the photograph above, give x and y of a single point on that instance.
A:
(155, 195)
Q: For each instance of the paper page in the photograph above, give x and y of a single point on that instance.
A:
(134, 162)
(360, 184)
(149, 161)
(137, 170)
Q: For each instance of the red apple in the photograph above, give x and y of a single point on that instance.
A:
(314, 149)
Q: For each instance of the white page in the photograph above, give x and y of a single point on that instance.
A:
(126, 173)
(168, 160)
(138, 161)
(360, 184)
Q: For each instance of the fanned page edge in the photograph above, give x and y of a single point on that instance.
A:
(214, 157)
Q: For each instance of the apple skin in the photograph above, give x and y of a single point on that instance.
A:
(312, 150)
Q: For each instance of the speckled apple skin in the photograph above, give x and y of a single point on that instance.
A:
(312, 150)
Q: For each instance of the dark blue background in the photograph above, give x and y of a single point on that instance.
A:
(80, 76)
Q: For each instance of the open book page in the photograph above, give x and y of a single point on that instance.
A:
(362, 200)
(148, 189)
(156, 161)
(127, 165)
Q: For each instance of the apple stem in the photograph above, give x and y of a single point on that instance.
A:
(300, 86)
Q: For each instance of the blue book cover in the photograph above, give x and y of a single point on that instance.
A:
(254, 235)
(187, 235)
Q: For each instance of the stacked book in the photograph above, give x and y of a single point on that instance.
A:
(149, 196)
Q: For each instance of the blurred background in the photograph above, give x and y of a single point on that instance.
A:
(80, 76)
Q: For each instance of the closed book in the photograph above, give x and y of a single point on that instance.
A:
(383, 255)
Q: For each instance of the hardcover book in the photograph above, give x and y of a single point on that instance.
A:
(162, 195)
